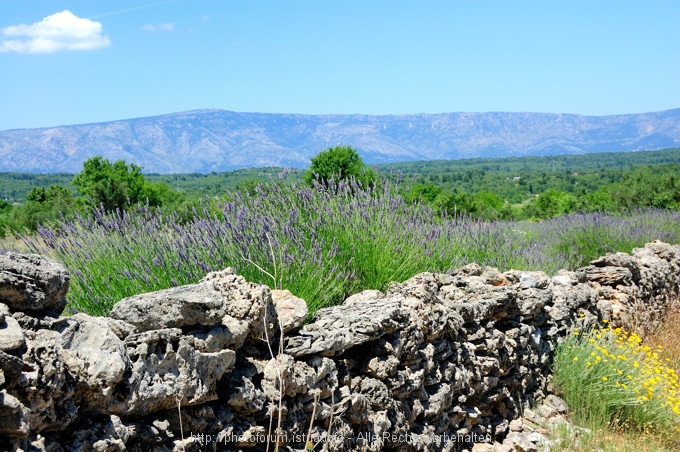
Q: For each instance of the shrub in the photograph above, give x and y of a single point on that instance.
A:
(610, 379)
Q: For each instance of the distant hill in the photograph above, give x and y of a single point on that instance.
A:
(216, 140)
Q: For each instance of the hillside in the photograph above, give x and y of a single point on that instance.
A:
(216, 140)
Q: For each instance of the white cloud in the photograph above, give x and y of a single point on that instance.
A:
(159, 27)
(60, 31)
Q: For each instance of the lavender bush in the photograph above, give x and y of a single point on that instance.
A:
(321, 243)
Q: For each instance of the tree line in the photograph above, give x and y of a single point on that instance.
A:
(484, 189)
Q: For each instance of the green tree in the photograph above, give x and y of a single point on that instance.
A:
(428, 192)
(339, 162)
(599, 201)
(553, 203)
(54, 194)
(648, 187)
(42, 207)
(37, 194)
(117, 185)
(5, 206)
(487, 205)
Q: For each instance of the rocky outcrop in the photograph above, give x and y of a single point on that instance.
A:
(32, 283)
(439, 362)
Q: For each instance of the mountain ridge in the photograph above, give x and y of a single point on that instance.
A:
(210, 140)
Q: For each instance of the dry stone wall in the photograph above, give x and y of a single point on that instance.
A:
(439, 362)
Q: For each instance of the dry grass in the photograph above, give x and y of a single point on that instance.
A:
(12, 243)
(604, 440)
(668, 336)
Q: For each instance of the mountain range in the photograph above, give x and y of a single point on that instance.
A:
(218, 140)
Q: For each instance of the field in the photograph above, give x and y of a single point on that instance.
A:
(321, 243)
(329, 241)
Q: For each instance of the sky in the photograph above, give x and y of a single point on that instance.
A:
(71, 62)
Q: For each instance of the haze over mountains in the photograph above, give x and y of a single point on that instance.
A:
(218, 140)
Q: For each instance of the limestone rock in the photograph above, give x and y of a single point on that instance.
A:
(608, 275)
(557, 403)
(617, 260)
(172, 308)
(363, 297)
(462, 354)
(29, 282)
(295, 377)
(494, 277)
(291, 310)
(339, 328)
(48, 389)
(164, 368)
(110, 435)
(94, 356)
(13, 420)
(11, 336)
(231, 333)
(121, 328)
(245, 301)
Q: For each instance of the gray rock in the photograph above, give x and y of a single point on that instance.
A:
(382, 367)
(231, 334)
(562, 280)
(245, 301)
(205, 303)
(193, 304)
(11, 367)
(434, 354)
(375, 391)
(531, 301)
(516, 425)
(47, 389)
(11, 336)
(13, 416)
(494, 277)
(29, 282)
(337, 329)
(547, 411)
(363, 297)
(165, 368)
(665, 251)
(470, 269)
(617, 260)
(291, 310)
(609, 276)
(245, 398)
(527, 281)
(556, 402)
(295, 376)
(121, 328)
(107, 436)
(520, 442)
(94, 356)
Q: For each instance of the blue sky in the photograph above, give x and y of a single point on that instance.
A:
(69, 62)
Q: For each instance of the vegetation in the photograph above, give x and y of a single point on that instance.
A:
(532, 188)
(118, 185)
(568, 438)
(342, 228)
(338, 163)
(612, 380)
(102, 183)
(322, 242)
(42, 207)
